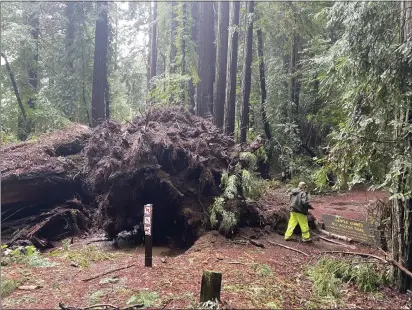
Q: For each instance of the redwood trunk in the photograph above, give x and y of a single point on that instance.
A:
(247, 75)
(153, 54)
(206, 60)
(230, 98)
(221, 63)
(263, 85)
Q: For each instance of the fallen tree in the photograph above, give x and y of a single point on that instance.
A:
(39, 175)
(167, 157)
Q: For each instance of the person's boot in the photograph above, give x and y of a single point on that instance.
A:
(307, 240)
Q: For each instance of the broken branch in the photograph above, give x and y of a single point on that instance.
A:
(337, 242)
(335, 236)
(107, 272)
(287, 247)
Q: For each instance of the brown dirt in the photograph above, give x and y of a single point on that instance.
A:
(176, 280)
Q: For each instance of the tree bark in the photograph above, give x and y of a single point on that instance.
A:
(230, 98)
(194, 30)
(33, 21)
(211, 286)
(206, 60)
(294, 81)
(173, 26)
(263, 85)
(153, 54)
(69, 47)
(15, 88)
(100, 65)
(401, 218)
(247, 74)
(221, 63)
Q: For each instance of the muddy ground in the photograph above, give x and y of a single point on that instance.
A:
(253, 277)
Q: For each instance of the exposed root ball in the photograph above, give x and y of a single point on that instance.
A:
(168, 158)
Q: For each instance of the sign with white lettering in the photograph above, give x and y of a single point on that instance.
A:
(148, 219)
(360, 231)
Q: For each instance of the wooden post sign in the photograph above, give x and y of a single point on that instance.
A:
(148, 227)
(360, 231)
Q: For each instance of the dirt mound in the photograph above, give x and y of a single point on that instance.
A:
(169, 158)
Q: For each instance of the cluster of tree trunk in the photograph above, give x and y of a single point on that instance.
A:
(215, 94)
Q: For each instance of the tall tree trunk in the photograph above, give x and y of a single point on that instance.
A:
(194, 31)
(294, 81)
(221, 63)
(100, 64)
(69, 46)
(206, 60)
(153, 54)
(184, 36)
(247, 74)
(34, 23)
(262, 78)
(401, 217)
(173, 27)
(15, 88)
(230, 98)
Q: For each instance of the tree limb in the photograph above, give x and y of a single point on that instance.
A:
(107, 272)
(286, 247)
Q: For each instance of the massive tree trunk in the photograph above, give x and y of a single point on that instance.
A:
(221, 63)
(194, 31)
(401, 233)
(230, 98)
(153, 53)
(68, 99)
(33, 21)
(247, 74)
(262, 78)
(100, 65)
(173, 27)
(206, 60)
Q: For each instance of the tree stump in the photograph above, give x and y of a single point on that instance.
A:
(211, 285)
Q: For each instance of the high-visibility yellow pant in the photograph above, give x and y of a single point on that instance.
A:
(295, 219)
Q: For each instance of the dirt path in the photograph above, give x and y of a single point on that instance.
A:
(272, 277)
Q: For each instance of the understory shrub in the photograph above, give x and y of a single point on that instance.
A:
(329, 274)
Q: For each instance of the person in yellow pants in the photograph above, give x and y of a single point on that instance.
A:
(299, 208)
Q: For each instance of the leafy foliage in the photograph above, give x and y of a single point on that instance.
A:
(329, 274)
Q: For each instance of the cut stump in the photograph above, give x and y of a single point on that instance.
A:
(211, 286)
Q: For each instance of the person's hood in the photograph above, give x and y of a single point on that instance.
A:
(295, 191)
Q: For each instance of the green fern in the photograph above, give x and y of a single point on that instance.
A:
(249, 158)
(231, 187)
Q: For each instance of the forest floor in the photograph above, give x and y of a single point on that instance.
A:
(253, 277)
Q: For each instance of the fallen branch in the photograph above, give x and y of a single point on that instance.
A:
(392, 262)
(287, 247)
(255, 243)
(327, 233)
(107, 272)
(337, 242)
(356, 253)
(98, 240)
(64, 307)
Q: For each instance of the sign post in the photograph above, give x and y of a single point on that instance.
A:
(148, 211)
